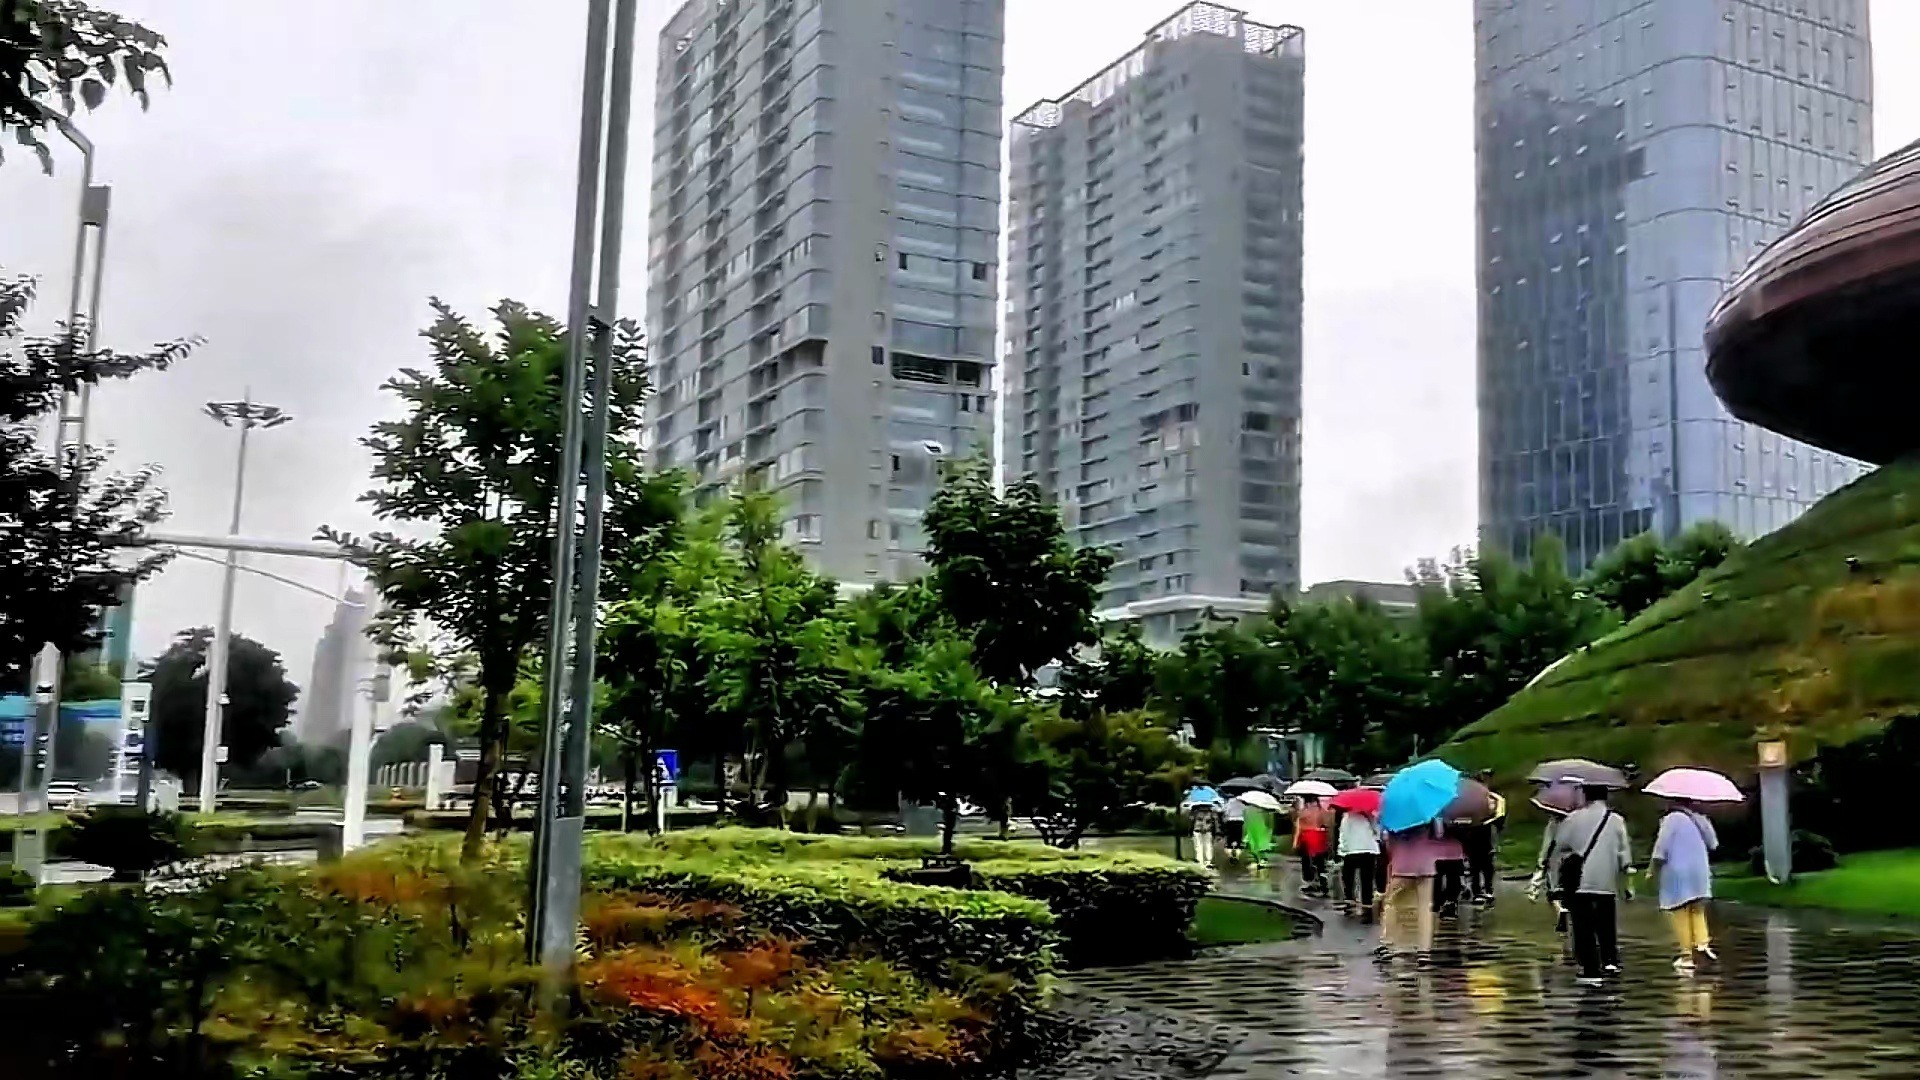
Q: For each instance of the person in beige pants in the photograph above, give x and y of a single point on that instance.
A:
(1412, 859)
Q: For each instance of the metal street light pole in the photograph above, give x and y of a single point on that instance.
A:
(247, 414)
(567, 692)
(69, 441)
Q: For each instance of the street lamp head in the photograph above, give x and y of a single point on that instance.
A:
(248, 413)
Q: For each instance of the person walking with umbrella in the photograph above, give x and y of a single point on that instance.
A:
(1682, 854)
(1233, 822)
(1203, 813)
(1595, 857)
(1359, 846)
(1481, 841)
(1410, 811)
(1312, 833)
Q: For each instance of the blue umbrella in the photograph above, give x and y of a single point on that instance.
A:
(1418, 794)
(1200, 794)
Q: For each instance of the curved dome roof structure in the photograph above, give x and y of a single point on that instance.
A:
(1819, 338)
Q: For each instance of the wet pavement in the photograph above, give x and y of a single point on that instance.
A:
(1795, 994)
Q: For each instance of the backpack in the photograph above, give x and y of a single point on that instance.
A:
(1573, 867)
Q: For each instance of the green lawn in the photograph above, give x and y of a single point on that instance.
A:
(1219, 920)
(1869, 883)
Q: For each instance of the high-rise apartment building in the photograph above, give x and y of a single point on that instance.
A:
(1632, 156)
(339, 658)
(1152, 360)
(822, 259)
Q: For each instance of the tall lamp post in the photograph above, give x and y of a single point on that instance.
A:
(246, 414)
(69, 440)
(592, 313)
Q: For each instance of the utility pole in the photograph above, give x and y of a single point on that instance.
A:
(247, 414)
(567, 691)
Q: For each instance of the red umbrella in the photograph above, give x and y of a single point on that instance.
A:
(1357, 801)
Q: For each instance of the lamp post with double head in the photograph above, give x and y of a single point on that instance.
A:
(245, 414)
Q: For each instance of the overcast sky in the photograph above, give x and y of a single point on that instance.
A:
(319, 171)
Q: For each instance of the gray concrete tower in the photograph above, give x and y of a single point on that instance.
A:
(1152, 366)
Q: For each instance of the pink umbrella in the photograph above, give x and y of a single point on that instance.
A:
(1695, 785)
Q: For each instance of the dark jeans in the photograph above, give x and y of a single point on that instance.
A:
(1596, 937)
(1479, 843)
(1313, 871)
(1446, 883)
(1357, 874)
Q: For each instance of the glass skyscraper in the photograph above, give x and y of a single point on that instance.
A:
(1632, 155)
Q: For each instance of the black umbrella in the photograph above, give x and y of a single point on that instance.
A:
(1377, 780)
(1240, 785)
(1339, 778)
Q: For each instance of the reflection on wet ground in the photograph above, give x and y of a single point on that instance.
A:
(1794, 995)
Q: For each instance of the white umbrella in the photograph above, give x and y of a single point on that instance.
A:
(1262, 800)
(1318, 789)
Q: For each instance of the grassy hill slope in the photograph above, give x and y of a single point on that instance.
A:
(1787, 637)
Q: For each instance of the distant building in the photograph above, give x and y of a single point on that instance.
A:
(338, 659)
(1395, 597)
(1152, 355)
(823, 256)
(1632, 157)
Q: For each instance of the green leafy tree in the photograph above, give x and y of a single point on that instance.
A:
(650, 657)
(1122, 675)
(404, 743)
(1358, 678)
(1491, 626)
(1643, 570)
(1226, 682)
(937, 733)
(260, 701)
(1091, 772)
(64, 53)
(62, 523)
(777, 644)
(1006, 575)
(469, 472)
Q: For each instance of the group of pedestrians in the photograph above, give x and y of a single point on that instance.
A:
(1586, 869)
(1409, 877)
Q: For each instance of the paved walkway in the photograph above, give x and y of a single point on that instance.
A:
(1795, 995)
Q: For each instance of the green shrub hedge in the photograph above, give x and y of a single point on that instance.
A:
(1106, 907)
(1129, 911)
(838, 909)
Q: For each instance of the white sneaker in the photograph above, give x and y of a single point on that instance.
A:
(1612, 969)
(1684, 965)
(1589, 980)
(1707, 951)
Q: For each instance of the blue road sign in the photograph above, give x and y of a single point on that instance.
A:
(669, 760)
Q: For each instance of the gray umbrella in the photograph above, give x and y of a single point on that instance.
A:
(1239, 784)
(1579, 771)
(1339, 778)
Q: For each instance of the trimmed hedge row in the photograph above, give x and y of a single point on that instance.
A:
(1106, 907)
(928, 930)
(1122, 914)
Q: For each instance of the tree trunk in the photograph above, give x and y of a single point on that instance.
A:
(949, 821)
(720, 784)
(492, 721)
